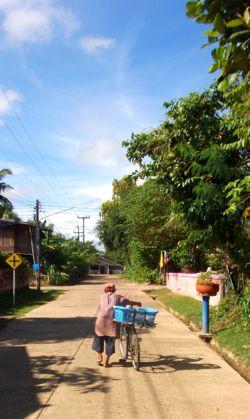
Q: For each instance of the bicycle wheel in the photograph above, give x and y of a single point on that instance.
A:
(124, 341)
(135, 349)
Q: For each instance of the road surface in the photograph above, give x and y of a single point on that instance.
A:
(48, 370)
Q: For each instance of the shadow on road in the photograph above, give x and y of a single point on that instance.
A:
(24, 379)
(155, 363)
(46, 330)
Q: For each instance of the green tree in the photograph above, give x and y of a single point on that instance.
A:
(5, 204)
(230, 22)
(230, 33)
(152, 224)
(185, 156)
(67, 256)
(137, 225)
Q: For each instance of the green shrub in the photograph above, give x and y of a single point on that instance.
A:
(142, 274)
(56, 277)
(233, 309)
(3, 257)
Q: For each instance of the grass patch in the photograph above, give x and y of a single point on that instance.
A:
(228, 321)
(187, 307)
(236, 339)
(26, 300)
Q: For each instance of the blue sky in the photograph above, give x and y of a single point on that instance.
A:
(83, 75)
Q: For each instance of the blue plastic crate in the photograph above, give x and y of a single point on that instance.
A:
(124, 314)
(150, 316)
(140, 316)
(145, 316)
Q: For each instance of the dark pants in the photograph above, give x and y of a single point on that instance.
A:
(98, 344)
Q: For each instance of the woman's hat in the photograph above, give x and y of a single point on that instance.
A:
(109, 287)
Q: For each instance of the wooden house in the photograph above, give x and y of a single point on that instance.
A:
(16, 237)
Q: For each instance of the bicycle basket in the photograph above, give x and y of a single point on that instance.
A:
(150, 316)
(140, 316)
(145, 316)
(124, 314)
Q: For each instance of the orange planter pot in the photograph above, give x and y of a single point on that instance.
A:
(208, 289)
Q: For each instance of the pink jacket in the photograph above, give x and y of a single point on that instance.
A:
(104, 325)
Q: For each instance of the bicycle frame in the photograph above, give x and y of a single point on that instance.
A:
(130, 343)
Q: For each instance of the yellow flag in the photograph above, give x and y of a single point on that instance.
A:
(161, 260)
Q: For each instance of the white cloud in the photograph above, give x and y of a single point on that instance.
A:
(99, 153)
(31, 21)
(13, 97)
(93, 45)
(101, 192)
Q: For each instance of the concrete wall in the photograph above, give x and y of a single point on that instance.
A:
(6, 275)
(185, 284)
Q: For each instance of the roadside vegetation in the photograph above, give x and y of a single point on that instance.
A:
(230, 320)
(26, 300)
(65, 260)
(190, 192)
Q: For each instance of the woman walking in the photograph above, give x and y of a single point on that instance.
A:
(105, 327)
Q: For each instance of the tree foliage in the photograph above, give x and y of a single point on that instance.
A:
(67, 258)
(5, 204)
(230, 33)
(230, 22)
(185, 155)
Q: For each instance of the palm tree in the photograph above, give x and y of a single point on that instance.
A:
(5, 204)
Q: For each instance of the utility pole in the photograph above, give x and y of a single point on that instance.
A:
(83, 226)
(37, 245)
(77, 232)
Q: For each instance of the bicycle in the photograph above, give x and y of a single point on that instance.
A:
(129, 334)
(130, 343)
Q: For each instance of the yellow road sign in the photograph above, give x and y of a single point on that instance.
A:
(14, 260)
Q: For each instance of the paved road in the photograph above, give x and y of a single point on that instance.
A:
(48, 370)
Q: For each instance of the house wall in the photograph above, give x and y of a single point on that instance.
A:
(105, 270)
(185, 284)
(94, 271)
(115, 270)
(15, 239)
(6, 277)
(7, 239)
(22, 240)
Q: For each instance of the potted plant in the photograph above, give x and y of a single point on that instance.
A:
(205, 284)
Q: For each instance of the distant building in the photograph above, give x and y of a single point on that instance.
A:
(105, 267)
(16, 237)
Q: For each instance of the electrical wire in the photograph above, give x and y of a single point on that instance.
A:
(23, 174)
(27, 154)
(15, 196)
(30, 137)
(54, 213)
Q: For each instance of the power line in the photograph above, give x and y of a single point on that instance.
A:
(75, 206)
(15, 196)
(29, 136)
(55, 213)
(23, 174)
(27, 154)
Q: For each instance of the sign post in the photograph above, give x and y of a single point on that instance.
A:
(14, 261)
